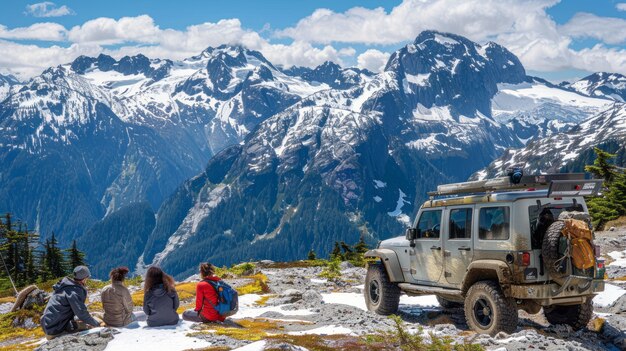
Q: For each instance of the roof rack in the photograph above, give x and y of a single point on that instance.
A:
(559, 184)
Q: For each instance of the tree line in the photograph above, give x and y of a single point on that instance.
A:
(29, 261)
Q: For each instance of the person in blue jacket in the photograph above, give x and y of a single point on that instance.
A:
(66, 312)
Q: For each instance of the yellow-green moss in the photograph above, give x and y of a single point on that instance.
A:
(257, 286)
(263, 300)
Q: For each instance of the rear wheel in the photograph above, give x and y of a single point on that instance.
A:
(488, 311)
(577, 316)
(381, 295)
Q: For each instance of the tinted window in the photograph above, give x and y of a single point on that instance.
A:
(460, 223)
(429, 224)
(494, 223)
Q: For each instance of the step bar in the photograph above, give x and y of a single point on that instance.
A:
(428, 290)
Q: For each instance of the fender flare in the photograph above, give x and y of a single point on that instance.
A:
(392, 264)
(488, 270)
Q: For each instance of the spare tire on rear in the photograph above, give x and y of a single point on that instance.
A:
(555, 244)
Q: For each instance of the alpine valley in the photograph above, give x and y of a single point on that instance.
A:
(226, 157)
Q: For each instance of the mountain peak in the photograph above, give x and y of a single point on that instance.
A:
(602, 84)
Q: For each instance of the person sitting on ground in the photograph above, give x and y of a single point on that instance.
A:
(206, 298)
(116, 300)
(160, 299)
(66, 303)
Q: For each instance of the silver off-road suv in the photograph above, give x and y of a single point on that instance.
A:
(494, 246)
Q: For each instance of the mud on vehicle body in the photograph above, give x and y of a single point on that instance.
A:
(495, 247)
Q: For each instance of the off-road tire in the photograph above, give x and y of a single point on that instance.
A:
(577, 316)
(550, 251)
(381, 295)
(447, 304)
(488, 311)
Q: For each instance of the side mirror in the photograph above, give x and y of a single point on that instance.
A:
(411, 234)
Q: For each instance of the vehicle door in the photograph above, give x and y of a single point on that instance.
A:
(457, 246)
(427, 263)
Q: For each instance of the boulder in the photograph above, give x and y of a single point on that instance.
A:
(74, 342)
(29, 297)
(345, 265)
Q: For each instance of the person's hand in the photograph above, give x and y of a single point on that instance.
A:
(102, 324)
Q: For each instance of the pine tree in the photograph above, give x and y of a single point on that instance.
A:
(602, 167)
(311, 256)
(613, 203)
(336, 253)
(54, 258)
(75, 257)
(361, 246)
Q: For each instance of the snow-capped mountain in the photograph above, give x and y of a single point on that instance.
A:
(348, 162)
(6, 82)
(331, 74)
(602, 84)
(157, 122)
(567, 151)
(108, 140)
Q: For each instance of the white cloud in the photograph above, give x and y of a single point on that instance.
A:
(47, 9)
(523, 27)
(373, 60)
(477, 19)
(107, 31)
(621, 6)
(38, 31)
(610, 30)
(28, 60)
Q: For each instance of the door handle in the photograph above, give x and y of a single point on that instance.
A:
(435, 247)
(464, 248)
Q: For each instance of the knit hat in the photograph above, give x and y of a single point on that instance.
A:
(81, 272)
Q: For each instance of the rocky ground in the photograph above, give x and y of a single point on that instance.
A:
(293, 308)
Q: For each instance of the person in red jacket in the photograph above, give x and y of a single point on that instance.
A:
(206, 298)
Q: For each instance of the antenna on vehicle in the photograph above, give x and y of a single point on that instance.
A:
(8, 273)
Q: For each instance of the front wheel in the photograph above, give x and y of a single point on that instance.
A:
(577, 316)
(381, 295)
(488, 311)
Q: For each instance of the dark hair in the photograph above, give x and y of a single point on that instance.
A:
(156, 276)
(118, 274)
(206, 269)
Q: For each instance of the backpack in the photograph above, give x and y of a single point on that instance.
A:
(582, 253)
(227, 298)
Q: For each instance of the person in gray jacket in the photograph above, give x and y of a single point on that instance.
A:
(160, 299)
(66, 311)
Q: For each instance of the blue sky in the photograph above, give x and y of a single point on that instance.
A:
(555, 40)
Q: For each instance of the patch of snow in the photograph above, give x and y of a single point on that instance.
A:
(420, 79)
(358, 300)
(377, 198)
(608, 296)
(319, 281)
(445, 40)
(399, 204)
(619, 258)
(255, 346)
(379, 184)
(248, 308)
(172, 337)
(325, 330)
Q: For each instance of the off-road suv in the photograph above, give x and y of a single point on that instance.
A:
(496, 246)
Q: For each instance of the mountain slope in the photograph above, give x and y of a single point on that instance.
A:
(343, 162)
(602, 84)
(566, 150)
(108, 133)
